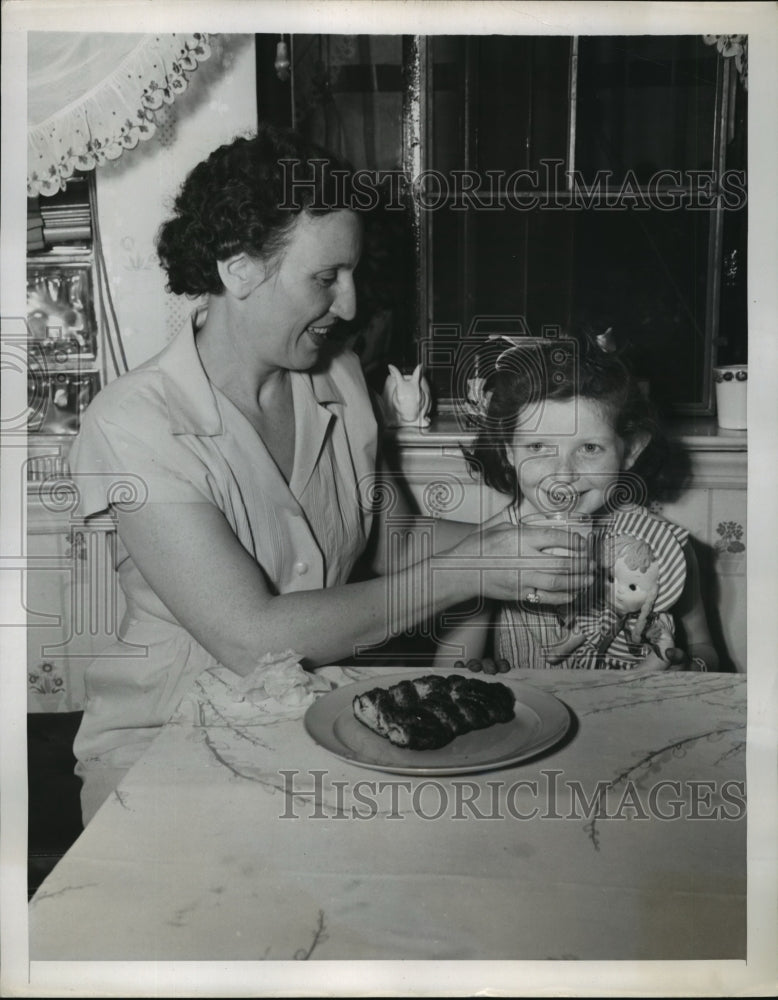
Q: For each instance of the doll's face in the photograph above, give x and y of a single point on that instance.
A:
(632, 587)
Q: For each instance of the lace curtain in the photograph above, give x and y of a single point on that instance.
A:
(91, 96)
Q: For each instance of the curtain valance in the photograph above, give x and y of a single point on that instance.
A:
(91, 96)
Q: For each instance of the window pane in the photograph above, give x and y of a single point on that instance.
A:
(349, 96)
(646, 273)
(522, 101)
(498, 104)
(645, 103)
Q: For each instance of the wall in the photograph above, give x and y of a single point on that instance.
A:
(134, 192)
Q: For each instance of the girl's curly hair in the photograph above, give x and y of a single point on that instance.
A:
(561, 370)
(245, 197)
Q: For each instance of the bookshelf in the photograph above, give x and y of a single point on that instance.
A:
(71, 612)
(64, 342)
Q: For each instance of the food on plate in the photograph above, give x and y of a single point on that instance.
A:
(428, 712)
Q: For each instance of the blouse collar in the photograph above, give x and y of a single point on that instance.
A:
(190, 397)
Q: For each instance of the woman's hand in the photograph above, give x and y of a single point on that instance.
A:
(515, 563)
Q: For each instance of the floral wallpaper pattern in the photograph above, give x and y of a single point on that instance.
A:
(46, 679)
(730, 534)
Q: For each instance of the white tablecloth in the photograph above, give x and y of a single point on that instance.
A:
(208, 851)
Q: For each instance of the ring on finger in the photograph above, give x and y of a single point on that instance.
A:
(532, 597)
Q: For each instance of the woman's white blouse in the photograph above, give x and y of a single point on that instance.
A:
(164, 434)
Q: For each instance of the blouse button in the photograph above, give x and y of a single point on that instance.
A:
(301, 568)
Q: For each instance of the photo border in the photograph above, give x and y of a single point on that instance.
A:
(758, 976)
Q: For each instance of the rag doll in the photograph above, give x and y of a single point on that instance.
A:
(625, 617)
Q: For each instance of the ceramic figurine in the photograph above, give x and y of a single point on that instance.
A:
(407, 398)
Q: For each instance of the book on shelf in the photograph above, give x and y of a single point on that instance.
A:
(35, 240)
(56, 218)
(63, 250)
(66, 234)
(64, 217)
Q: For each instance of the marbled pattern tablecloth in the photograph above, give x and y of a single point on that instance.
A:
(231, 840)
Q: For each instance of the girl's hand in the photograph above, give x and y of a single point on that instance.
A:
(487, 665)
(515, 563)
(677, 659)
(673, 659)
(651, 664)
(680, 659)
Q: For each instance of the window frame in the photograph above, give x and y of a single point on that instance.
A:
(419, 156)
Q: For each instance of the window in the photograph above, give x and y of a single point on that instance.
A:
(557, 178)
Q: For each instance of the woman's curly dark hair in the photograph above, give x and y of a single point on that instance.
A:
(561, 369)
(244, 197)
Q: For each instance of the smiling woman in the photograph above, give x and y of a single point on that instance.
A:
(255, 446)
(278, 318)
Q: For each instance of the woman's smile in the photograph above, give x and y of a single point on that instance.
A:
(319, 333)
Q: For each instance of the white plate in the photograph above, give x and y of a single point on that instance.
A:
(541, 720)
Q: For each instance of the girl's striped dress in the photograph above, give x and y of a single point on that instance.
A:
(522, 631)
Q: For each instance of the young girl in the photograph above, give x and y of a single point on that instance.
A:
(569, 434)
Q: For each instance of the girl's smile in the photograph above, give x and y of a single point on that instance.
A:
(569, 456)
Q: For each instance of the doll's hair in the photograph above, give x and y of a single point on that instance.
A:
(559, 370)
(636, 552)
(246, 196)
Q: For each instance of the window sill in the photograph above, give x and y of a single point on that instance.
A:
(449, 429)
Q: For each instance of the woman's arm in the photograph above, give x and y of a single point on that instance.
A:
(408, 525)
(192, 560)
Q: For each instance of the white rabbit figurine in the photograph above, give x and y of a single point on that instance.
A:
(407, 398)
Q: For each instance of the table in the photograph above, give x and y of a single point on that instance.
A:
(233, 841)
